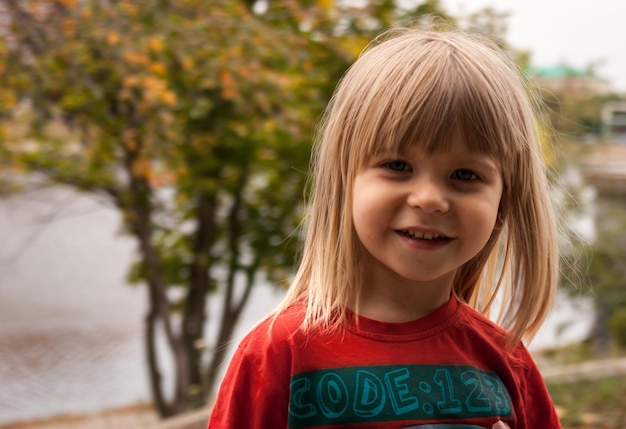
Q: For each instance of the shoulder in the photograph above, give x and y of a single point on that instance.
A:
(480, 325)
(491, 337)
(275, 332)
(266, 352)
(258, 374)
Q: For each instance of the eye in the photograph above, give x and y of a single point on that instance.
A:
(465, 175)
(397, 165)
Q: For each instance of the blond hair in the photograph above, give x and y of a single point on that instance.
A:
(420, 87)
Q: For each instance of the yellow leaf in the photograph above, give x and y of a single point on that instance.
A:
(187, 63)
(141, 168)
(129, 8)
(163, 177)
(130, 81)
(7, 101)
(155, 44)
(229, 91)
(169, 98)
(354, 45)
(113, 37)
(68, 3)
(136, 58)
(236, 51)
(158, 68)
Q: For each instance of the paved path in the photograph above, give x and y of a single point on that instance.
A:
(589, 370)
(194, 420)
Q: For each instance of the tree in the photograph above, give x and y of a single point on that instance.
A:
(195, 119)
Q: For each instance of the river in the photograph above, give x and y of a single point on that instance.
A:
(70, 325)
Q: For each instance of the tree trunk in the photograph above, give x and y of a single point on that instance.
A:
(231, 309)
(230, 317)
(140, 212)
(195, 304)
(153, 366)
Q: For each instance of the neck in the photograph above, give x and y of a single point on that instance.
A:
(403, 301)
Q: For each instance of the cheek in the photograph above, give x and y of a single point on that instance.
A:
(366, 219)
(360, 219)
(360, 205)
(490, 222)
(480, 217)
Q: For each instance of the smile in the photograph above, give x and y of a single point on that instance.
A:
(422, 235)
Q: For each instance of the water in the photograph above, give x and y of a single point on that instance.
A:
(70, 326)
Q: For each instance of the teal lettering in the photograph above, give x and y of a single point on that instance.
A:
(384, 394)
(503, 403)
(370, 397)
(297, 408)
(449, 405)
(401, 399)
(476, 401)
(332, 395)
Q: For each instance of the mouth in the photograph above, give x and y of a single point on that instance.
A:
(422, 235)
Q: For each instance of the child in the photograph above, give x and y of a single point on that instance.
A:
(429, 201)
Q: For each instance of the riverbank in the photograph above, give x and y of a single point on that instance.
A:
(132, 417)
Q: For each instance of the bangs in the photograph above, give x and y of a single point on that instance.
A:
(431, 93)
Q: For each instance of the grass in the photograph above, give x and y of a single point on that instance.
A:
(598, 404)
(586, 404)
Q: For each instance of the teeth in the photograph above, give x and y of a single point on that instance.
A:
(423, 235)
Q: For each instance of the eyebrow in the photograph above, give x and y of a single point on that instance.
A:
(484, 161)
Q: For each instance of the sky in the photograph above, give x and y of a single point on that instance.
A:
(573, 32)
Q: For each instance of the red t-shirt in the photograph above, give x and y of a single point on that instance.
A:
(448, 370)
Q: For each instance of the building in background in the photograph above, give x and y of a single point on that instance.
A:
(614, 121)
(563, 78)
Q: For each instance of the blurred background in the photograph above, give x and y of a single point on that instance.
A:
(153, 156)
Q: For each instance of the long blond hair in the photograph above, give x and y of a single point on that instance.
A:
(420, 87)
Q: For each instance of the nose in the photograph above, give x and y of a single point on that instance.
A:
(429, 195)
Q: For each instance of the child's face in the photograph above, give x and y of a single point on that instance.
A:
(420, 217)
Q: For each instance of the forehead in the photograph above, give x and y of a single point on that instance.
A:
(456, 147)
(455, 144)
